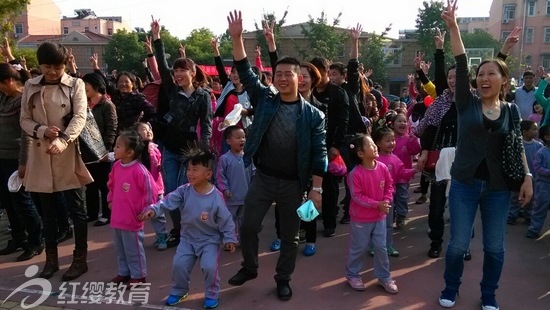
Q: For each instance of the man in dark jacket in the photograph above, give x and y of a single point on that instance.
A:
(287, 144)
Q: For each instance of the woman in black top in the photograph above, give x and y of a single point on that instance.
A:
(477, 177)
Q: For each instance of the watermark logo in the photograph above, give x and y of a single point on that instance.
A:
(91, 292)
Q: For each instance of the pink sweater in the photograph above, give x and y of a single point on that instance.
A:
(405, 148)
(368, 188)
(131, 190)
(156, 158)
(398, 172)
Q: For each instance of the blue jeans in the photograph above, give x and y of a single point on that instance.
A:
(174, 172)
(541, 203)
(464, 200)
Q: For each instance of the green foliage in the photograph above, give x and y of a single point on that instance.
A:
(30, 56)
(373, 57)
(171, 43)
(9, 10)
(226, 46)
(427, 22)
(480, 39)
(278, 32)
(323, 38)
(197, 46)
(125, 53)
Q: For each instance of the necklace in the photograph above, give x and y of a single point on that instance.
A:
(489, 111)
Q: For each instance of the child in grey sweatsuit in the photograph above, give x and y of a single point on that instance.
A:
(205, 224)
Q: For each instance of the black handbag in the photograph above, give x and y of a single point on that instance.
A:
(512, 160)
(90, 143)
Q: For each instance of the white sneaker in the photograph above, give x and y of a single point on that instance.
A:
(389, 286)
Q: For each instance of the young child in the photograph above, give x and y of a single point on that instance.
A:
(384, 139)
(371, 190)
(152, 161)
(206, 223)
(529, 132)
(542, 184)
(233, 178)
(538, 113)
(131, 190)
(406, 147)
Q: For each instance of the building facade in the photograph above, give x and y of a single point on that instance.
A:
(86, 20)
(533, 16)
(40, 17)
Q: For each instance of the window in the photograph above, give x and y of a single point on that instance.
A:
(509, 11)
(546, 61)
(548, 7)
(18, 28)
(75, 24)
(531, 8)
(393, 55)
(547, 35)
(110, 31)
(529, 35)
(65, 30)
(505, 34)
(86, 28)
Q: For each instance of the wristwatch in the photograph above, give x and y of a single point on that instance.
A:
(318, 189)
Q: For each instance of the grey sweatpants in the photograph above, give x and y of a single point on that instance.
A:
(130, 253)
(184, 260)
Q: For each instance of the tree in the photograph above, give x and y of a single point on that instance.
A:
(480, 39)
(226, 46)
(427, 21)
(197, 46)
(374, 57)
(324, 38)
(8, 11)
(125, 53)
(278, 32)
(29, 54)
(171, 43)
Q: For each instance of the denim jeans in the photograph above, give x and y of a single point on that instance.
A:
(401, 199)
(464, 200)
(25, 222)
(174, 172)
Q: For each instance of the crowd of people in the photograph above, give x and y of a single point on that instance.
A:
(216, 153)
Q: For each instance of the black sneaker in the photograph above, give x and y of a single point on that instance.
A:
(532, 235)
(173, 239)
(329, 232)
(468, 255)
(399, 221)
(435, 251)
(284, 292)
(423, 199)
(242, 276)
(65, 235)
(30, 252)
(345, 219)
(12, 247)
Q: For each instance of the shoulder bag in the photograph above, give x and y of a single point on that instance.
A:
(512, 161)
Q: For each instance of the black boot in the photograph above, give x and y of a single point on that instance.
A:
(78, 267)
(52, 265)
(30, 252)
(12, 247)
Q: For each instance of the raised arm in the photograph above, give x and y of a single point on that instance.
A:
(269, 33)
(235, 21)
(258, 58)
(111, 88)
(509, 43)
(353, 63)
(164, 70)
(224, 78)
(151, 60)
(449, 16)
(439, 63)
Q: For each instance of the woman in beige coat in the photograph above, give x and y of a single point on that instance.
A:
(54, 166)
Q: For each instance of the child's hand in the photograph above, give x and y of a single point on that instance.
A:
(147, 215)
(227, 194)
(110, 205)
(384, 207)
(230, 247)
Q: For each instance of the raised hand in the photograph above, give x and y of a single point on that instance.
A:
(235, 21)
(511, 40)
(449, 14)
(426, 66)
(439, 39)
(71, 62)
(181, 49)
(411, 78)
(23, 62)
(355, 32)
(155, 28)
(418, 61)
(6, 50)
(269, 31)
(148, 46)
(368, 73)
(258, 51)
(214, 44)
(94, 61)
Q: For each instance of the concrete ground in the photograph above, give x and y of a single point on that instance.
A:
(318, 282)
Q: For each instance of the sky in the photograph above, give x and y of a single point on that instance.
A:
(180, 17)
